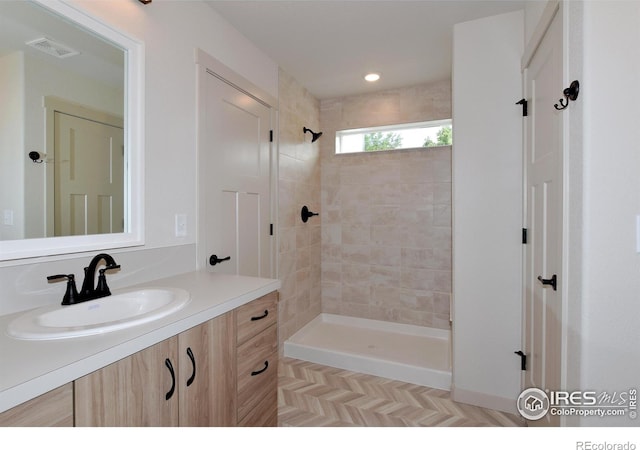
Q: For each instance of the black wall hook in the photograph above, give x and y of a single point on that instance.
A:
(570, 93)
(35, 157)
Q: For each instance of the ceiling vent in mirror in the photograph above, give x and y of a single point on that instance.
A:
(52, 47)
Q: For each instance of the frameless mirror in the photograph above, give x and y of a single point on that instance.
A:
(70, 132)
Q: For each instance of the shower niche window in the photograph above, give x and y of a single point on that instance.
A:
(435, 133)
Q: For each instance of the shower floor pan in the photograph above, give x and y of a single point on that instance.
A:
(409, 353)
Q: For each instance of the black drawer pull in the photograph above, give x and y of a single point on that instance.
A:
(169, 394)
(258, 372)
(193, 363)
(266, 313)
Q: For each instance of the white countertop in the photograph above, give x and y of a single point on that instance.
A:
(29, 368)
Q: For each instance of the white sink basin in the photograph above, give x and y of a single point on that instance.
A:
(118, 311)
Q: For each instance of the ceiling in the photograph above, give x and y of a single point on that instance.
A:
(329, 45)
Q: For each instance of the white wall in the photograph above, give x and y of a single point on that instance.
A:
(611, 284)
(171, 30)
(487, 210)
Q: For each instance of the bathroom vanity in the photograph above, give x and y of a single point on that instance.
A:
(211, 363)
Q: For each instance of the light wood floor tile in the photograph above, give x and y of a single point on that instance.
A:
(312, 395)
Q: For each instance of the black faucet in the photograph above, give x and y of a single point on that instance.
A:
(88, 292)
(102, 290)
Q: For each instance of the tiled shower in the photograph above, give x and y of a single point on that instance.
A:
(381, 247)
(386, 227)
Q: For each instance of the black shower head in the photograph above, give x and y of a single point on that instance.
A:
(315, 135)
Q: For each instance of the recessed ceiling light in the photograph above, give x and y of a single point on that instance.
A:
(371, 77)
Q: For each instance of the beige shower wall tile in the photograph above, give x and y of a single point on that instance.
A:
(442, 215)
(331, 253)
(332, 273)
(355, 235)
(385, 276)
(287, 240)
(356, 294)
(442, 193)
(418, 258)
(386, 229)
(356, 254)
(331, 234)
(355, 275)
(386, 256)
(299, 183)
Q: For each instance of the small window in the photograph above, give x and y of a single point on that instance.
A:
(436, 133)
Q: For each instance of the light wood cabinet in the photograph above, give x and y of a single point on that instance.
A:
(52, 409)
(187, 380)
(257, 362)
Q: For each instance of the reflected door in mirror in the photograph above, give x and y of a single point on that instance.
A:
(89, 177)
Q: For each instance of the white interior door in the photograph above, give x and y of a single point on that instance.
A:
(88, 176)
(234, 169)
(543, 302)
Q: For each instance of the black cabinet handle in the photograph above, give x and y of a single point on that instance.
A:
(169, 394)
(193, 363)
(553, 281)
(258, 372)
(213, 259)
(266, 313)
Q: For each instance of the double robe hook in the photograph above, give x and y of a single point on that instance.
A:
(570, 93)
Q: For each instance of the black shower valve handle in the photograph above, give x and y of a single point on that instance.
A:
(305, 214)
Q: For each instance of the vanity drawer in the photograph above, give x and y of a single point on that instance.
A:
(257, 361)
(256, 316)
(264, 413)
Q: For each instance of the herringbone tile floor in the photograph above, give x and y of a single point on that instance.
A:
(312, 395)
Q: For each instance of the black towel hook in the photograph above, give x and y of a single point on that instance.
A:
(570, 93)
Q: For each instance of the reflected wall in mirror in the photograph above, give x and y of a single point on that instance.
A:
(71, 90)
(78, 187)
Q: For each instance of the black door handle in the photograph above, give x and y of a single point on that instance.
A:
(553, 281)
(213, 259)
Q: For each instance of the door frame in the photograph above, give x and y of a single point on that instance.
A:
(570, 324)
(207, 65)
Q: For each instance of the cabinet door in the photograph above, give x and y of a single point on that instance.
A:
(52, 409)
(132, 391)
(207, 373)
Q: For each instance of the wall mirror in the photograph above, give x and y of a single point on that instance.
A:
(71, 132)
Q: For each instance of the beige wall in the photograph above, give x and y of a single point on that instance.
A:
(298, 185)
(386, 216)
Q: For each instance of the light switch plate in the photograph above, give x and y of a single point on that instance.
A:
(7, 218)
(181, 225)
